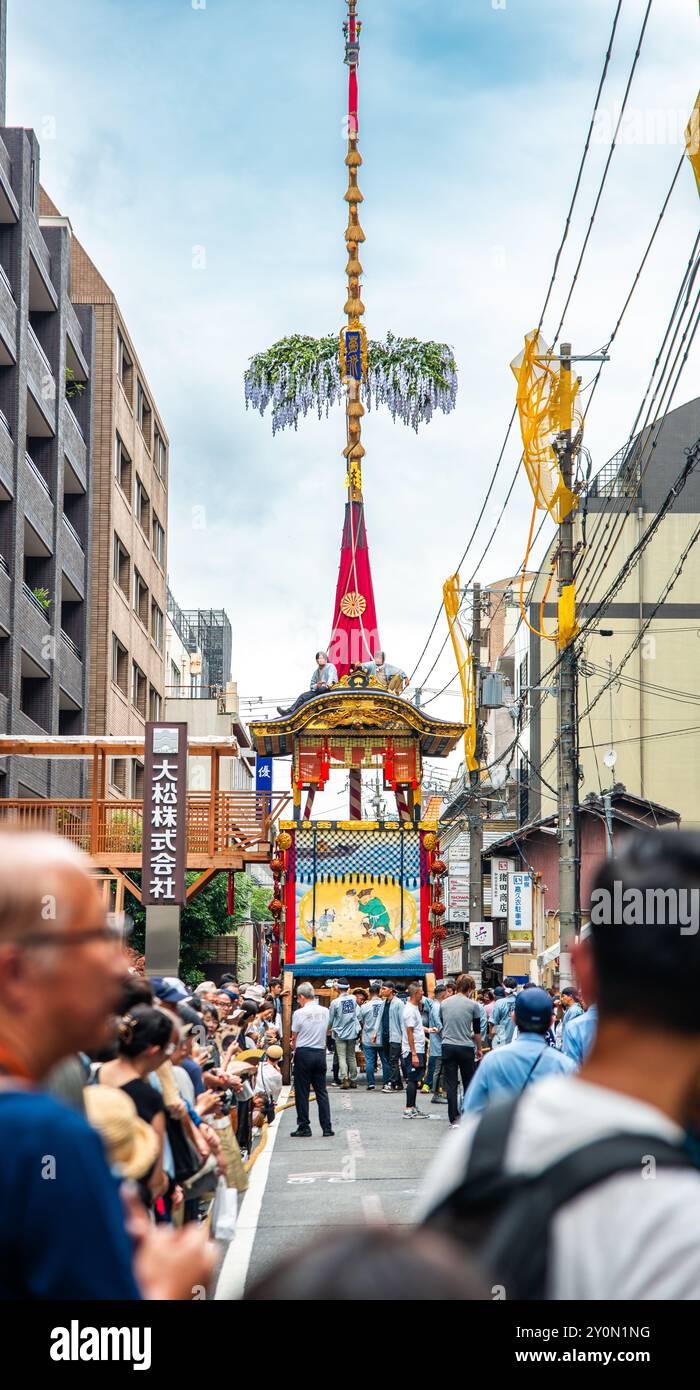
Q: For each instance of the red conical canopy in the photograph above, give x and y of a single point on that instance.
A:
(355, 637)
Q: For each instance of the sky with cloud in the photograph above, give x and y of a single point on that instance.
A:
(198, 150)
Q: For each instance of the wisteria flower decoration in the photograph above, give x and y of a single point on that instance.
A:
(298, 374)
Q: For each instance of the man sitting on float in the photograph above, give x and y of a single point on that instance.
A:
(323, 678)
(390, 677)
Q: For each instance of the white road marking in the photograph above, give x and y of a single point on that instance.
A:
(355, 1144)
(236, 1262)
(372, 1207)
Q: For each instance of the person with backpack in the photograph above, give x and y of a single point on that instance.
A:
(528, 1058)
(580, 1187)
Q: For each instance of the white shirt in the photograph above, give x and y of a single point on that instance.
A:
(412, 1019)
(632, 1237)
(268, 1081)
(310, 1025)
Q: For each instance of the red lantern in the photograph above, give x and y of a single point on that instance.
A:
(437, 907)
(438, 867)
(276, 906)
(277, 865)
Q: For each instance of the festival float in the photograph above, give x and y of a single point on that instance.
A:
(355, 898)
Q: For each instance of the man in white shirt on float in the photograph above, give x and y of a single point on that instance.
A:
(630, 1228)
(309, 1033)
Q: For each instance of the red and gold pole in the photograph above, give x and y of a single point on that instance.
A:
(354, 235)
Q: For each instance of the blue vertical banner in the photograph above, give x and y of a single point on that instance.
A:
(263, 785)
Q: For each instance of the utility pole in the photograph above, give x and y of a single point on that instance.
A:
(476, 829)
(568, 732)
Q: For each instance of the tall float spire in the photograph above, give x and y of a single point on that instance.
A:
(355, 637)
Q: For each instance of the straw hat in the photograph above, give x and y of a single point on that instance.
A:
(131, 1143)
(275, 1053)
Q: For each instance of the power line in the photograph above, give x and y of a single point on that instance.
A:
(597, 554)
(608, 161)
(557, 260)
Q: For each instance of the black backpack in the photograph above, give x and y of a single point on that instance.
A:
(506, 1218)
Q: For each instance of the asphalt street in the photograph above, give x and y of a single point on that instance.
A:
(370, 1171)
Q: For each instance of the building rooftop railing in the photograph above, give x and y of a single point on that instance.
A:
(194, 692)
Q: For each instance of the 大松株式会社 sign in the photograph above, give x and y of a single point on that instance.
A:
(163, 881)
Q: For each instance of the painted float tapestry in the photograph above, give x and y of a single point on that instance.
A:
(357, 897)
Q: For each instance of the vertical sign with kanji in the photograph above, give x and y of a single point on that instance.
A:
(520, 912)
(263, 785)
(165, 815)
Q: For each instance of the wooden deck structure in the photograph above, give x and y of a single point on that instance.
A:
(225, 829)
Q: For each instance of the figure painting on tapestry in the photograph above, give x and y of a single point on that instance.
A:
(346, 914)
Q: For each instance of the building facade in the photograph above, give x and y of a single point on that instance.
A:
(208, 707)
(46, 416)
(129, 534)
(642, 729)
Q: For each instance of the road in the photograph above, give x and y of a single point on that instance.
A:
(370, 1171)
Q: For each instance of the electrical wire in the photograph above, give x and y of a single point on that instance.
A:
(555, 270)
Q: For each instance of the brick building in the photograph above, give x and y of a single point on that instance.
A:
(130, 488)
(46, 356)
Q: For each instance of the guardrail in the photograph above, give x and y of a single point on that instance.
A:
(73, 531)
(33, 599)
(71, 645)
(38, 473)
(231, 821)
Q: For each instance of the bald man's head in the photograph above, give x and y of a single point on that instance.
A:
(61, 968)
(43, 880)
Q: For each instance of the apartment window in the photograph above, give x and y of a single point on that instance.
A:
(137, 781)
(143, 413)
(140, 597)
(121, 566)
(160, 458)
(175, 676)
(138, 688)
(118, 777)
(142, 506)
(125, 369)
(120, 665)
(155, 705)
(122, 467)
(157, 625)
(158, 542)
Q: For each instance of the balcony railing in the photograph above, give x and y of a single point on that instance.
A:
(230, 823)
(73, 531)
(37, 603)
(40, 349)
(73, 417)
(37, 473)
(71, 645)
(5, 423)
(6, 280)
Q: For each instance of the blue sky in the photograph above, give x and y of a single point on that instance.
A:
(166, 128)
